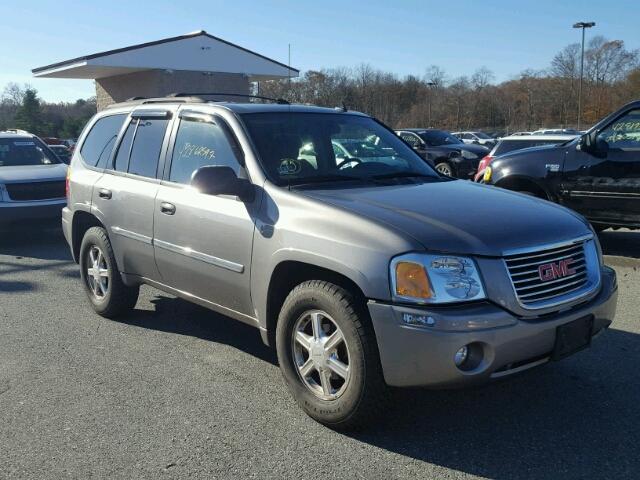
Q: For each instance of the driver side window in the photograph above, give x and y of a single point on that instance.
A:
(199, 144)
(623, 133)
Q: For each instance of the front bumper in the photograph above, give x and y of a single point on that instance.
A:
(11, 212)
(423, 356)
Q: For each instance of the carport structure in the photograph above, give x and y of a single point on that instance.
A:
(195, 62)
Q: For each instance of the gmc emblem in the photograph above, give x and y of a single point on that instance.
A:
(553, 270)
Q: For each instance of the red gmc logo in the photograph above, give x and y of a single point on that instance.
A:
(553, 270)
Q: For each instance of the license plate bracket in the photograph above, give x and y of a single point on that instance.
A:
(573, 337)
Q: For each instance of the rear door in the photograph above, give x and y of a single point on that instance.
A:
(94, 153)
(606, 188)
(125, 194)
(203, 242)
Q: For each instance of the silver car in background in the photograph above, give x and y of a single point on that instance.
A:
(32, 179)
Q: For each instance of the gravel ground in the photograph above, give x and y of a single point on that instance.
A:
(175, 391)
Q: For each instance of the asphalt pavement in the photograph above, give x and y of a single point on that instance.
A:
(176, 391)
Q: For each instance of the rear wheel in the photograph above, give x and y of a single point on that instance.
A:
(108, 295)
(328, 355)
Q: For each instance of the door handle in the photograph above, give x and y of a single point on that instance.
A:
(104, 193)
(167, 208)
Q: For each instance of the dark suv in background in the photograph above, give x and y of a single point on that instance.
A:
(597, 174)
(450, 155)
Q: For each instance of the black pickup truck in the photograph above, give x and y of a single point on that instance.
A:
(597, 174)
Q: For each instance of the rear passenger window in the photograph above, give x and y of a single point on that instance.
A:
(122, 157)
(199, 144)
(146, 147)
(98, 144)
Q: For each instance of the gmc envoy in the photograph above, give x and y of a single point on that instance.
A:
(364, 271)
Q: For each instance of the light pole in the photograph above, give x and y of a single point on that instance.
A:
(583, 26)
(430, 85)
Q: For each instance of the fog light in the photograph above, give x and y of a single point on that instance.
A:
(460, 356)
(418, 320)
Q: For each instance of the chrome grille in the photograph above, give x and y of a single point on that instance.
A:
(532, 290)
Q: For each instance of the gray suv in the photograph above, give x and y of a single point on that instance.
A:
(363, 271)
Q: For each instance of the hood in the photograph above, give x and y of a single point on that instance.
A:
(33, 173)
(459, 216)
(532, 150)
(469, 147)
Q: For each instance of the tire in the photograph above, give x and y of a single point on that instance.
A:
(355, 399)
(445, 169)
(108, 295)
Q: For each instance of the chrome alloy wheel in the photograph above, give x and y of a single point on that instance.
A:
(445, 169)
(98, 275)
(321, 354)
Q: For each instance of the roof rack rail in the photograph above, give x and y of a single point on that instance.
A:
(186, 99)
(280, 101)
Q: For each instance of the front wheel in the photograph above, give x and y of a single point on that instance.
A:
(445, 169)
(328, 355)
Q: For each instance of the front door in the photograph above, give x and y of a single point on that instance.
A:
(606, 187)
(203, 242)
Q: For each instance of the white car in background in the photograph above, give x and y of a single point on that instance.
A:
(477, 138)
(32, 179)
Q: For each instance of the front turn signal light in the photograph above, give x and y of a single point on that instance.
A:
(412, 281)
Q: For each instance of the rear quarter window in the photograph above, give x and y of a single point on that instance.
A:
(99, 143)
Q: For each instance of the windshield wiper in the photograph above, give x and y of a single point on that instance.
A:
(402, 175)
(324, 179)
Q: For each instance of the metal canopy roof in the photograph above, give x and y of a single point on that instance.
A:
(198, 51)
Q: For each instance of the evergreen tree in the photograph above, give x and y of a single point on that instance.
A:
(29, 115)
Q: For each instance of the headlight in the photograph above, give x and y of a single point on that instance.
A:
(428, 278)
(469, 155)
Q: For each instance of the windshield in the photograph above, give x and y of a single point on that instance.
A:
(302, 148)
(17, 152)
(435, 138)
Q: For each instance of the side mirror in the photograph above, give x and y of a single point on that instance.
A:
(216, 180)
(590, 143)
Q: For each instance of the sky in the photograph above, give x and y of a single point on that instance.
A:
(401, 36)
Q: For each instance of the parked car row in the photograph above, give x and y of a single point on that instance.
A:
(447, 153)
(596, 174)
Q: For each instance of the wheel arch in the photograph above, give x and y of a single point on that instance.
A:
(82, 221)
(520, 183)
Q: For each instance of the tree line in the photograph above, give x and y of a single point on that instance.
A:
(21, 108)
(533, 99)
